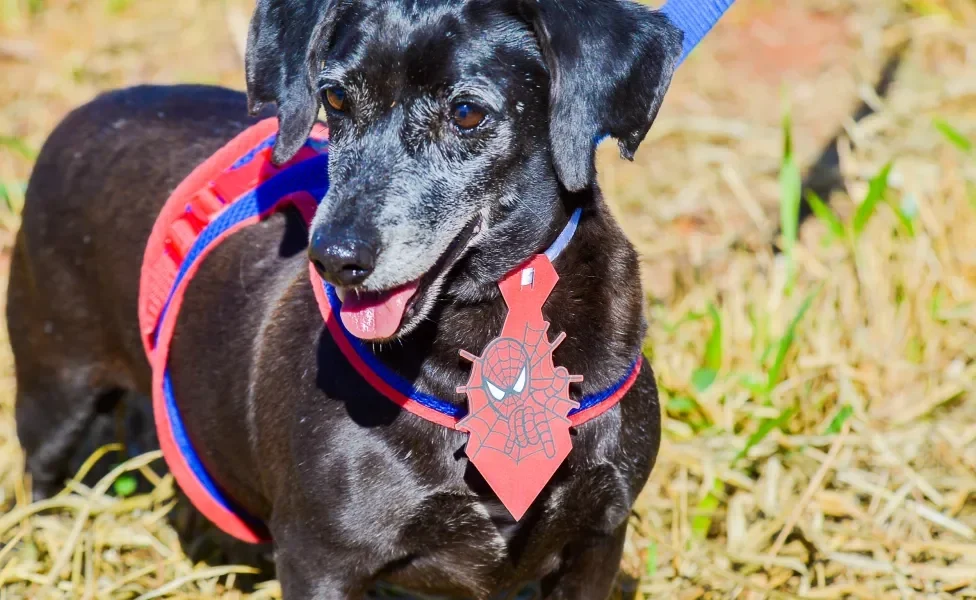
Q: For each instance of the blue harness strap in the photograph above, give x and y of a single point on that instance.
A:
(695, 18)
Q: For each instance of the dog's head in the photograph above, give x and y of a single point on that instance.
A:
(454, 126)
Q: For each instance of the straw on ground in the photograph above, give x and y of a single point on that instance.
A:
(820, 431)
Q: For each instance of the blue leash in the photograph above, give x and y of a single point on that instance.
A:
(695, 18)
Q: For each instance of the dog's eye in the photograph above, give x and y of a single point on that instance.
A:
(467, 116)
(336, 97)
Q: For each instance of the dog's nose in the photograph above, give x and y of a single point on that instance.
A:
(343, 261)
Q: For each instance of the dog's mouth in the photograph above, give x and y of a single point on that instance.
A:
(382, 315)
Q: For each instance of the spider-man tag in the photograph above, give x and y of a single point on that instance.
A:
(518, 401)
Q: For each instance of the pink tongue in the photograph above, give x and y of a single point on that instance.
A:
(376, 315)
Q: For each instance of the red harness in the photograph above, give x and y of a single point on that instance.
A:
(238, 186)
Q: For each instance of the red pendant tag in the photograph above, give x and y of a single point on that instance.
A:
(518, 400)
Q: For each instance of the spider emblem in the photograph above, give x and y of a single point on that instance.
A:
(506, 369)
(518, 400)
(519, 407)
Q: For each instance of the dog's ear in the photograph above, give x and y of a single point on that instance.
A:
(282, 54)
(610, 63)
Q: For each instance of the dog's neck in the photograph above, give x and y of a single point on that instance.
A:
(597, 303)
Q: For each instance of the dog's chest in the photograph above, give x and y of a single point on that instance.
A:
(469, 544)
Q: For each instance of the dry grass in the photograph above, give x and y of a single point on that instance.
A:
(820, 453)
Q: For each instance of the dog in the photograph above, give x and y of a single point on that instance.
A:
(462, 139)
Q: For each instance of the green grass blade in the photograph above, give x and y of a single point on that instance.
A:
(688, 411)
(701, 522)
(905, 220)
(954, 136)
(682, 405)
(791, 183)
(17, 146)
(754, 383)
(702, 379)
(116, 7)
(789, 202)
(907, 211)
(837, 423)
(689, 317)
(713, 347)
(825, 214)
(783, 348)
(787, 127)
(650, 565)
(12, 196)
(877, 189)
(765, 428)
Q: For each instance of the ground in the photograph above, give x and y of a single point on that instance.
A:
(820, 436)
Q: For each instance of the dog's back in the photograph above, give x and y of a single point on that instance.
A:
(98, 183)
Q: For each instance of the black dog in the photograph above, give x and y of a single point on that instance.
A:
(463, 136)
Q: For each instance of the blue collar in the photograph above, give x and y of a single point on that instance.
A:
(565, 236)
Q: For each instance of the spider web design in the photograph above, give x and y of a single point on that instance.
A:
(520, 425)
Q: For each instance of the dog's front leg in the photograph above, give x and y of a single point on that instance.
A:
(312, 568)
(588, 570)
(312, 576)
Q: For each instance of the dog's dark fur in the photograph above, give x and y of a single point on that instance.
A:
(352, 489)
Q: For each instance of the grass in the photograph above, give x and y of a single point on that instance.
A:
(953, 136)
(790, 182)
(820, 425)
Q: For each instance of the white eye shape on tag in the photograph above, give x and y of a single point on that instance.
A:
(495, 392)
(520, 384)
